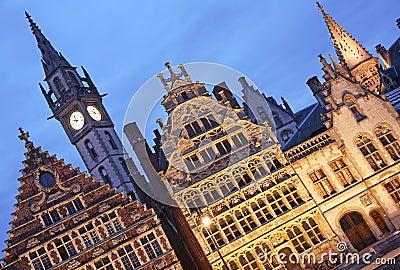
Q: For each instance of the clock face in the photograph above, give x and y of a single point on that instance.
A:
(94, 112)
(76, 120)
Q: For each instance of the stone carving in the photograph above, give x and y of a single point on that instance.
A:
(103, 207)
(73, 264)
(367, 199)
(32, 242)
(97, 252)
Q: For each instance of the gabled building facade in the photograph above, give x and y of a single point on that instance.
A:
(65, 219)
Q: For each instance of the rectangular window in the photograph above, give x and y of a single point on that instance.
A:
(74, 206)
(65, 247)
(245, 219)
(104, 264)
(40, 260)
(89, 235)
(322, 183)
(393, 187)
(239, 140)
(128, 257)
(342, 172)
(51, 217)
(223, 147)
(151, 246)
(112, 223)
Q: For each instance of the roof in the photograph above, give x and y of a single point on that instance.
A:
(311, 126)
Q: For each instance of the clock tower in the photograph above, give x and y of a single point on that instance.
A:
(77, 104)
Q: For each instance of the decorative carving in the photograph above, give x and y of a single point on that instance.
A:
(80, 217)
(73, 264)
(56, 229)
(119, 239)
(97, 252)
(367, 199)
(103, 207)
(32, 242)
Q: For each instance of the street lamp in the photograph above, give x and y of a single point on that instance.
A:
(206, 221)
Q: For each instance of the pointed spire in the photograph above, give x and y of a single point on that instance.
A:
(349, 51)
(51, 59)
(327, 68)
(337, 66)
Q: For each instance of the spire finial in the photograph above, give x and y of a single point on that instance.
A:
(24, 136)
(348, 50)
(51, 59)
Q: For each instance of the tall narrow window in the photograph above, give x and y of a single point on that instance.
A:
(65, 247)
(57, 83)
(248, 261)
(353, 107)
(312, 231)
(223, 147)
(322, 183)
(110, 140)
(342, 172)
(51, 217)
(370, 153)
(90, 149)
(104, 175)
(74, 206)
(72, 77)
(40, 260)
(387, 139)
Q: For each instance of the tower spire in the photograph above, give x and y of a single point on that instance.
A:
(349, 51)
(51, 59)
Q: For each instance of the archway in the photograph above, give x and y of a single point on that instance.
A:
(357, 230)
(379, 221)
(291, 259)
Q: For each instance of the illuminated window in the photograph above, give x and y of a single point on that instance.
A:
(90, 149)
(342, 172)
(74, 206)
(322, 183)
(104, 264)
(265, 256)
(128, 257)
(151, 246)
(370, 153)
(112, 223)
(229, 228)
(51, 217)
(223, 147)
(276, 203)
(393, 187)
(65, 247)
(241, 176)
(261, 211)
(312, 231)
(298, 239)
(245, 219)
(353, 107)
(257, 169)
(291, 195)
(248, 261)
(89, 235)
(213, 235)
(40, 260)
(387, 139)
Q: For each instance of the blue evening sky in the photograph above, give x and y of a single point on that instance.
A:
(124, 43)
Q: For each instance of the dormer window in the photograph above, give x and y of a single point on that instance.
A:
(350, 102)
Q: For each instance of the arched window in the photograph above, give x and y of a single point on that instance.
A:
(387, 139)
(350, 101)
(104, 175)
(201, 125)
(72, 77)
(369, 151)
(111, 140)
(57, 83)
(298, 239)
(90, 149)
